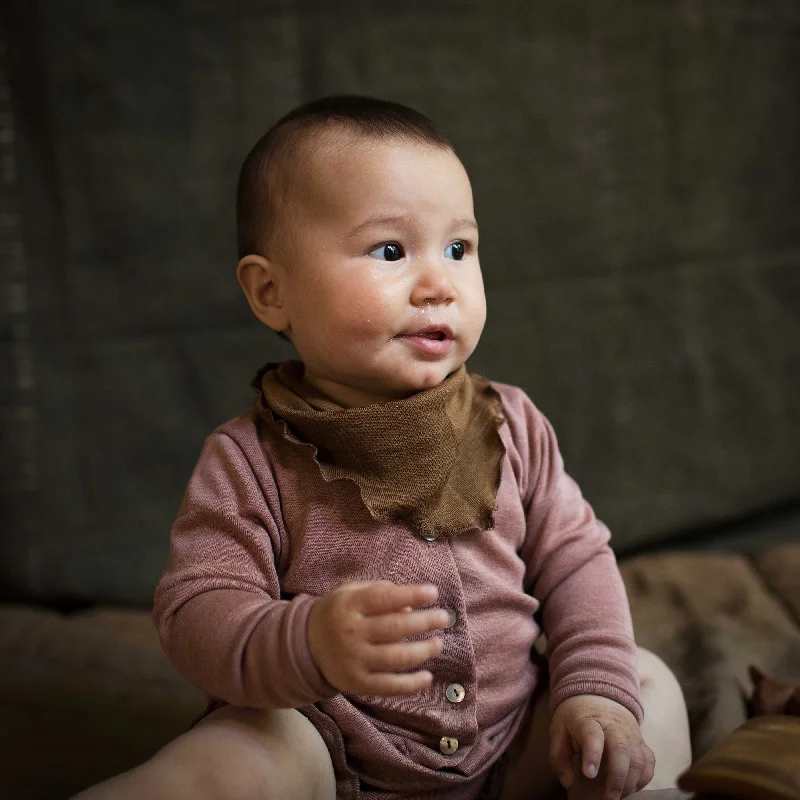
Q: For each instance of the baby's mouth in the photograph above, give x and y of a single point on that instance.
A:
(432, 341)
(437, 333)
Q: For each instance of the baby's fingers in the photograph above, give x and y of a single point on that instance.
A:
(393, 627)
(383, 597)
(649, 768)
(635, 770)
(561, 754)
(402, 656)
(618, 761)
(386, 684)
(590, 739)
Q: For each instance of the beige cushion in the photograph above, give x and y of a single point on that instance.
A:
(82, 697)
(710, 616)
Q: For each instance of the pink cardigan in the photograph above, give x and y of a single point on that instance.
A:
(260, 535)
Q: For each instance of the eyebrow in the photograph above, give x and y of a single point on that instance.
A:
(465, 222)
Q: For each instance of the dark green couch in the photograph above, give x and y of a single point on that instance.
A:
(635, 169)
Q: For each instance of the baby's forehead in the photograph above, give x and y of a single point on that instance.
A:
(323, 151)
(324, 163)
(311, 158)
(343, 156)
(343, 178)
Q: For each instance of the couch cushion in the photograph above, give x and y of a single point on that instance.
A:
(82, 697)
(780, 569)
(710, 616)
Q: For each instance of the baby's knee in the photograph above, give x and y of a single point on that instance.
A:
(251, 753)
(653, 672)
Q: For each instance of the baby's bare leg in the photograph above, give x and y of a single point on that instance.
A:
(666, 722)
(235, 754)
(665, 729)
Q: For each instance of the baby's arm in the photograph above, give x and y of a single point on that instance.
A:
(591, 651)
(222, 621)
(218, 606)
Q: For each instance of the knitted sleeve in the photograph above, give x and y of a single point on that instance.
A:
(573, 573)
(218, 606)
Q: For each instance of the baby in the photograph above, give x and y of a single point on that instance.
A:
(362, 564)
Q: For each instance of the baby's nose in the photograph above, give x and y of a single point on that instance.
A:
(434, 285)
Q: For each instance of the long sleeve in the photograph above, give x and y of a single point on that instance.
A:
(573, 573)
(218, 606)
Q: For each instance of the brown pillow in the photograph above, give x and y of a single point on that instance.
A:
(758, 761)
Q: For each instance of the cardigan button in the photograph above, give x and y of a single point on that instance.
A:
(448, 745)
(429, 538)
(455, 692)
(452, 617)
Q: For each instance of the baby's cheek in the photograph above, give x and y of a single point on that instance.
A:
(364, 314)
(474, 313)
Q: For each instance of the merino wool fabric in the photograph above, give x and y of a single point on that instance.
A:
(261, 535)
(431, 461)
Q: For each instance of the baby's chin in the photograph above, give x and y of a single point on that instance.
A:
(426, 378)
(382, 382)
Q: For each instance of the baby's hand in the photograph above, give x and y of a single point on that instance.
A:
(594, 727)
(356, 633)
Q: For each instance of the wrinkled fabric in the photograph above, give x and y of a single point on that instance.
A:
(431, 461)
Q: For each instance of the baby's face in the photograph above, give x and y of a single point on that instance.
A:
(382, 285)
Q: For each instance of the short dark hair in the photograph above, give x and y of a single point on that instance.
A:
(261, 188)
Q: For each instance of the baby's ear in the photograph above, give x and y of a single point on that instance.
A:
(262, 283)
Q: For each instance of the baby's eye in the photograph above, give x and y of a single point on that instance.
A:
(456, 251)
(388, 252)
